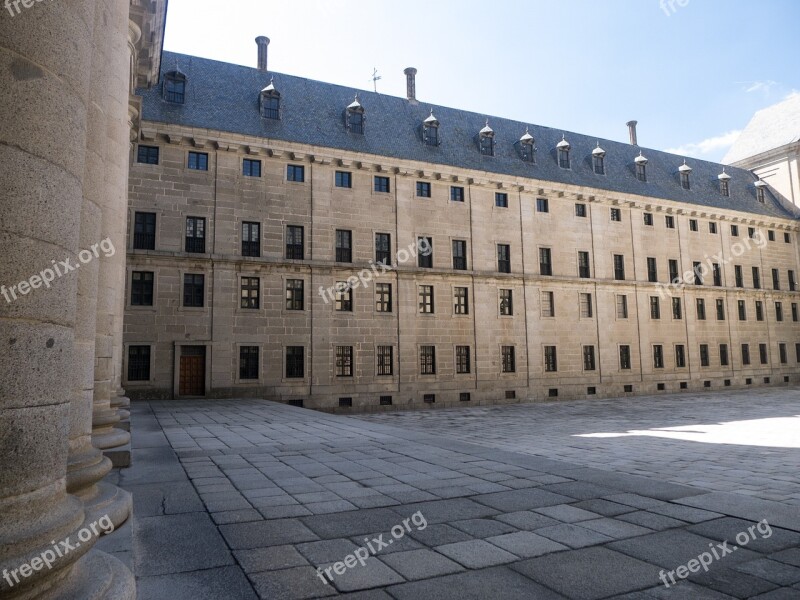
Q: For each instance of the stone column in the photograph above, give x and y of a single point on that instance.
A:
(45, 62)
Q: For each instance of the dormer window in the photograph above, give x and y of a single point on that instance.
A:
(527, 147)
(430, 130)
(761, 191)
(724, 184)
(270, 101)
(685, 172)
(175, 87)
(562, 148)
(599, 160)
(486, 140)
(641, 167)
(355, 117)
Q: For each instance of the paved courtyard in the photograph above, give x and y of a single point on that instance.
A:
(248, 499)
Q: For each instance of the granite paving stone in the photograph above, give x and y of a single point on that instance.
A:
(573, 536)
(421, 564)
(476, 554)
(298, 583)
(273, 558)
(526, 544)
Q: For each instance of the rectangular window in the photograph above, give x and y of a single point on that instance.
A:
(622, 306)
(716, 271)
(147, 155)
(584, 269)
(344, 179)
(383, 248)
(501, 199)
(616, 214)
(548, 304)
(504, 258)
(787, 238)
(655, 307)
(198, 161)
(697, 268)
(580, 210)
(670, 221)
(344, 245)
(658, 356)
(423, 189)
(756, 278)
(461, 301)
(542, 205)
(195, 235)
(462, 360)
(139, 363)
(794, 312)
(652, 270)
(779, 311)
(701, 309)
(704, 360)
(248, 362)
(506, 303)
(295, 362)
(460, 255)
(426, 299)
(344, 361)
(251, 290)
(782, 353)
(742, 310)
(251, 168)
(144, 231)
(723, 355)
(383, 297)
(251, 239)
(759, 310)
(680, 356)
(586, 306)
(762, 354)
(545, 262)
(619, 267)
(508, 358)
(194, 290)
(712, 227)
(674, 276)
(344, 297)
(720, 309)
(382, 185)
(738, 276)
(792, 282)
(625, 357)
(589, 363)
(771, 235)
(693, 225)
(295, 294)
(296, 173)
(456, 194)
(797, 352)
(550, 359)
(425, 254)
(745, 354)
(734, 231)
(427, 360)
(648, 219)
(677, 309)
(776, 279)
(295, 242)
(142, 288)
(385, 359)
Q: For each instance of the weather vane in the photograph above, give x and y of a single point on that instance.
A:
(375, 78)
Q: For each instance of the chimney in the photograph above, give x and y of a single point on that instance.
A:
(411, 84)
(632, 130)
(263, 45)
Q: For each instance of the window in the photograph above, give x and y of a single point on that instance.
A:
(761, 194)
(462, 360)
(355, 118)
(616, 214)
(658, 356)
(759, 310)
(486, 141)
(776, 279)
(677, 310)
(195, 235)
(580, 210)
(383, 248)
(383, 297)
(685, 181)
(550, 359)
(792, 282)
(584, 270)
(586, 309)
(701, 309)
(742, 310)
(670, 221)
(461, 301)
(782, 353)
(382, 184)
(779, 311)
(745, 354)
(787, 238)
(147, 155)
(756, 278)
(459, 255)
(138, 363)
(622, 306)
(344, 245)
(506, 303)
(797, 352)
(385, 400)
(712, 227)
(655, 307)
(430, 131)
(738, 275)
(142, 288)
(193, 290)
(716, 272)
(648, 219)
(545, 262)
(680, 356)
(423, 189)
(344, 297)
(724, 187)
(698, 269)
(270, 103)
(504, 258)
(693, 225)
(425, 254)
(198, 161)
(734, 231)
(641, 171)
(704, 360)
(599, 163)
(344, 361)
(429, 398)
(751, 232)
(427, 360)
(295, 245)
(144, 231)
(589, 363)
(385, 359)
(295, 294)
(248, 362)
(295, 173)
(175, 87)
(542, 205)
(426, 299)
(457, 194)
(625, 357)
(251, 289)
(619, 267)
(345, 402)
(563, 157)
(344, 179)
(548, 304)
(794, 312)
(508, 359)
(501, 199)
(720, 309)
(251, 168)
(652, 270)
(295, 362)
(762, 354)
(674, 276)
(723, 355)
(251, 239)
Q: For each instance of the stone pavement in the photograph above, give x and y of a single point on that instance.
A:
(245, 499)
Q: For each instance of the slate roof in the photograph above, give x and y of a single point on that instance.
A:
(225, 97)
(770, 128)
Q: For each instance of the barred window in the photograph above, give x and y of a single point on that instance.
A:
(425, 252)
(248, 362)
(619, 267)
(723, 355)
(704, 358)
(295, 245)
(625, 357)
(462, 360)
(383, 248)
(460, 255)
(385, 358)
(195, 235)
(677, 309)
(586, 309)
(584, 270)
(138, 363)
(383, 297)
(680, 356)
(461, 301)
(550, 359)
(426, 299)
(658, 356)
(194, 290)
(295, 362)
(427, 360)
(588, 358)
(504, 258)
(509, 364)
(251, 288)
(142, 288)
(745, 354)
(545, 261)
(251, 239)
(506, 302)
(344, 245)
(344, 297)
(295, 294)
(144, 231)
(622, 306)
(548, 304)
(344, 361)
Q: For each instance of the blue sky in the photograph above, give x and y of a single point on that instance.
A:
(692, 72)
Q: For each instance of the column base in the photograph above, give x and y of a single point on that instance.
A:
(97, 576)
(108, 501)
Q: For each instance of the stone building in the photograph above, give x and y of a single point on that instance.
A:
(68, 116)
(521, 262)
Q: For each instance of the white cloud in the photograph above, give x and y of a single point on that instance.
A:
(756, 86)
(707, 146)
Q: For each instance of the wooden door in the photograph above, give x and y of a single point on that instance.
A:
(193, 376)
